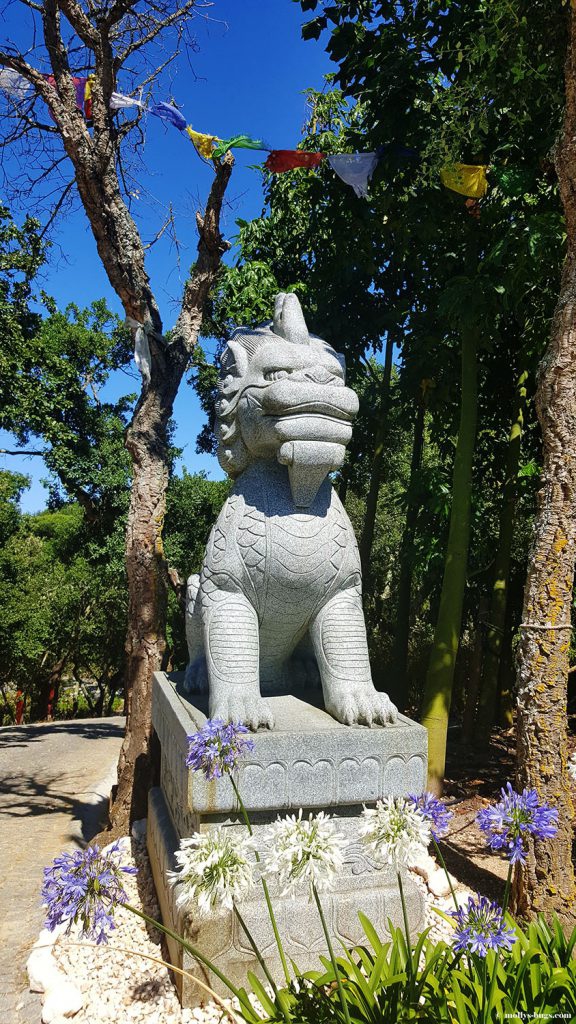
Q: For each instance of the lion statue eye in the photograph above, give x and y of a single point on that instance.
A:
(276, 374)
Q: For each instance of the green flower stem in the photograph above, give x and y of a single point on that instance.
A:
(193, 952)
(332, 957)
(492, 984)
(506, 899)
(264, 886)
(484, 994)
(445, 869)
(257, 952)
(407, 930)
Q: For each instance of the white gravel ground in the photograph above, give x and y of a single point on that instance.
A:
(125, 988)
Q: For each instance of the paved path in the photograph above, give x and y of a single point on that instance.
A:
(54, 784)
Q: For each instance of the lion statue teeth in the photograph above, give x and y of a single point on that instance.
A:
(277, 606)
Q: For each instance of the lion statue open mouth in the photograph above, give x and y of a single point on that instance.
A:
(278, 602)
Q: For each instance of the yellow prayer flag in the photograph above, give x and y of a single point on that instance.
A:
(467, 179)
(203, 143)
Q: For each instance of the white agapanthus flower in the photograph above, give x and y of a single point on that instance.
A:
(572, 766)
(396, 832)
(304, 850)
(214, 870)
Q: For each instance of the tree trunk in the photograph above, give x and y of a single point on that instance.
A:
(500, 586)
(399, 660)
(146, 567)
(110, 35)
(367, 538)
(440, 676)
(547, 883)
(12, 715)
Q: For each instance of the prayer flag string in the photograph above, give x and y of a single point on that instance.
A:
(355, 169)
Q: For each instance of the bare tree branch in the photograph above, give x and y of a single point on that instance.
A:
(80, 22)
(20, 451)
(56, 209)
(157, 25)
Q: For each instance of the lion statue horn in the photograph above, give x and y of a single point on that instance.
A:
(289, 320)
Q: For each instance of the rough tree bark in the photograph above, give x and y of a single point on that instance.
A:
(109, 36)
(547, 883)
(146, 566)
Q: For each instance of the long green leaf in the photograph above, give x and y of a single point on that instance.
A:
(259, 990)
(459, 1002)
(370, 932)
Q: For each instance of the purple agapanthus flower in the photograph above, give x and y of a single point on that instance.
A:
(517, 815)
(85, 887)
(217, 748)
(480, 927)
(435, 812)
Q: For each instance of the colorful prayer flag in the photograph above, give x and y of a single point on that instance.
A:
(118, 101)
(79, 88)
(237, 142)
(281, 160)
(394, 149)
(168, 112)
(88, 97)
(14, 84)
(142, 354)
(466, 179)
(204, 144)
(355, 169)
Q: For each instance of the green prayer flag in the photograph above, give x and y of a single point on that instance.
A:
(237, 142)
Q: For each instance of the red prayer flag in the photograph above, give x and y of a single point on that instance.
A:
(79, 88)
(287, 159)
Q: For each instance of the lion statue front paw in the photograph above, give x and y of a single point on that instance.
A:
(362, 707)
(242, 706)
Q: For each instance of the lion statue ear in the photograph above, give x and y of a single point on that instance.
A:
(234, 359)
(289, 320)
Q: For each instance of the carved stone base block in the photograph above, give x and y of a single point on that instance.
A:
(311, 761)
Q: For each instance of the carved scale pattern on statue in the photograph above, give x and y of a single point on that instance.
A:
(278, 603)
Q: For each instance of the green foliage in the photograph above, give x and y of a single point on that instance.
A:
(22, 253)
(12, 486)
(63, 597)
(50, 389)
(62, 608)
(477, 83)
(192, 506)
(537, 978)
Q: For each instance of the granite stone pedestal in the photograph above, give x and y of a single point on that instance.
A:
(307, 761)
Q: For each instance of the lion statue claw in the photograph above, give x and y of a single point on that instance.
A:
(278, 602)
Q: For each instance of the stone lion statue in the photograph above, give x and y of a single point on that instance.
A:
(277, 605)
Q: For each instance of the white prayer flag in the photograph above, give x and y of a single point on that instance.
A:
(355, 169)
(13, 83)
(118, 101)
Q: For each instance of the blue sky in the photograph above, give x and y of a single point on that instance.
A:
(249, 75)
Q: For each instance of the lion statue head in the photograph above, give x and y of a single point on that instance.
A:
(282, 394)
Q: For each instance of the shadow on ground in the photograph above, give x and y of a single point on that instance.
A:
(27, 797)
(22, 735)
